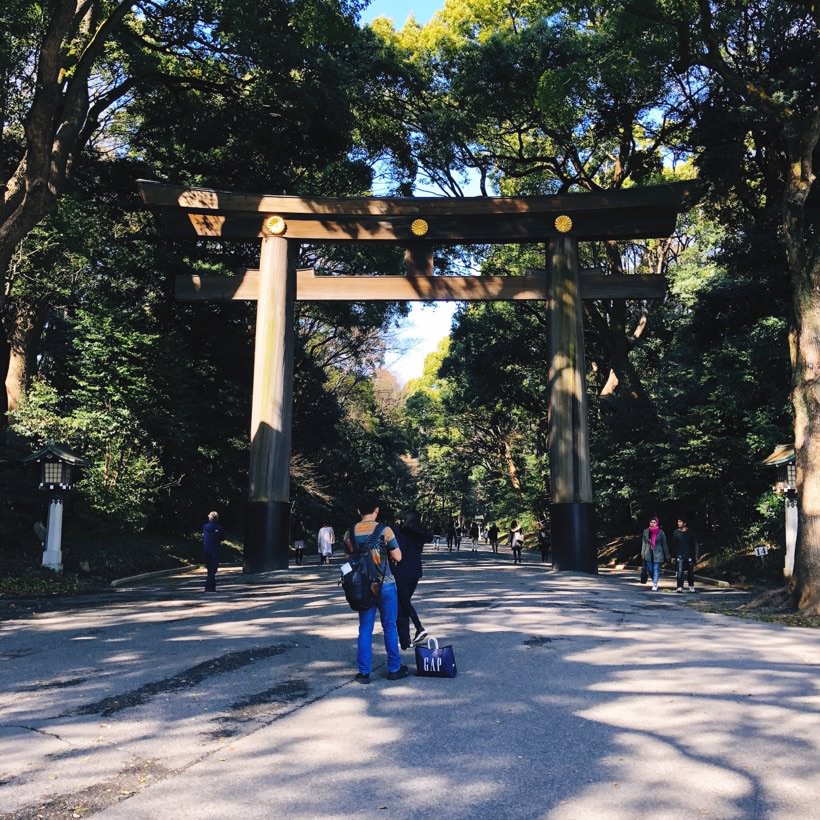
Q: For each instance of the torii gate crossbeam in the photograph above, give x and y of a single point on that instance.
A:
(419, 224)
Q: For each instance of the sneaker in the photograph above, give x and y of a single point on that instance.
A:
(691, 589)
(420, 637)
(400, 673)
(679, 589)
(362, 678)
(654, 587)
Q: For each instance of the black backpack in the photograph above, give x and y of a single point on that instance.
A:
(362, 583)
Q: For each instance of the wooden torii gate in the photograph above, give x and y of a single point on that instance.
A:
(418, 224)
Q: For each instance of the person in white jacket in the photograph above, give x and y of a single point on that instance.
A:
(325, 539)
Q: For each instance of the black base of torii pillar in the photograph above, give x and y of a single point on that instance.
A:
(571, 511)
(267, 517)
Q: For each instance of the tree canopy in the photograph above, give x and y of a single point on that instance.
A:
(524, 98)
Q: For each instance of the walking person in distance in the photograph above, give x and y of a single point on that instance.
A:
(451, 535)
(474, 534)
(212, 535)
(654, 550)
(685, 549)
(516, 541)
(324, 542)
(492, 534)
(299, 535)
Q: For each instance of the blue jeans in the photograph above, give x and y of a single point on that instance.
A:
(655, 569)
(388, 608)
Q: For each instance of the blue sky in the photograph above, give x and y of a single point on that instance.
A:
(400, 10)
(427, 325)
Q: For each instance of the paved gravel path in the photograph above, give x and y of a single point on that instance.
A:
(577, 697)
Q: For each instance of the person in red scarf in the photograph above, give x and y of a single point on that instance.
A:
(654, 549)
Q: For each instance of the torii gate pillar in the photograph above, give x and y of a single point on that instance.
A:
(571, 510)
(267, 520)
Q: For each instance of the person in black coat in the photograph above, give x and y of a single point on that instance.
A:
(685, 551)
(212, 535)
(412, 537)
(451, 535)
(299, 535)
(492, 534)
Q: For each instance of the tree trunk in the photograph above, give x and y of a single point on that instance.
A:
(509, 463)
(610, 326)
(26, 326)
(801, 244)
(5, 355)
(805, 351)
(797, 124)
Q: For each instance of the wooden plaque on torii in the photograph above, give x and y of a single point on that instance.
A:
(418, 225)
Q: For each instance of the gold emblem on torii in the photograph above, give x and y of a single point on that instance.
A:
(276, 225)
(419, 227)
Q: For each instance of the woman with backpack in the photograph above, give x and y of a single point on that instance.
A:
(412, 536)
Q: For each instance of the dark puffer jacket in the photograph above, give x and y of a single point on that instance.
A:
(411, 540)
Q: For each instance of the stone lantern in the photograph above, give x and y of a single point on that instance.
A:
(58, 474)
(786, 485)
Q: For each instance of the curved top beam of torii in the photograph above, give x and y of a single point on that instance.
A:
(631, 213)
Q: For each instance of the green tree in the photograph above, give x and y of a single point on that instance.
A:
(750, 71)
(536, 99)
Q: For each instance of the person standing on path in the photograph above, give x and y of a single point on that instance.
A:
(544, 540)
(492, 534)
(412, 536)
(356, 540)
(686, 551)
(325, 540)
(451, 535)
(299, 534)
(654, 550)
(212, 535)
(516, 541)
(474, 534)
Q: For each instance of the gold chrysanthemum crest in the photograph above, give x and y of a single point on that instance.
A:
(276, 225)
(419, 227)
(563, 224)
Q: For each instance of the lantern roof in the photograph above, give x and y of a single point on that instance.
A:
(783, 454)
(56, 452)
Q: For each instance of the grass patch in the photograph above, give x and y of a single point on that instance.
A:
(92, 561)
(736, 611)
